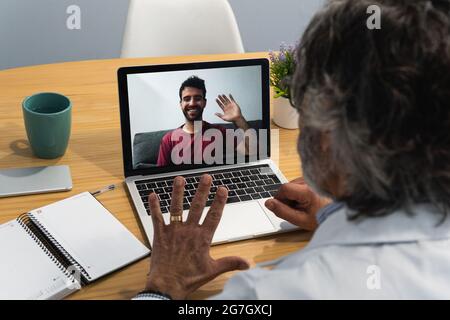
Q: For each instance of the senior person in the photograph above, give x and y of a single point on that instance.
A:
(374, 110)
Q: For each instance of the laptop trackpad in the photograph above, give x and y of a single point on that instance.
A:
(241, 220)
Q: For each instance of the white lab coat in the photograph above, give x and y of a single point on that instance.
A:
(398, 256)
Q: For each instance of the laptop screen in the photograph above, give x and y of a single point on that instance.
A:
(194, 115)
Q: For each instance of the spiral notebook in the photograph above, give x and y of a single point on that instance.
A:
(53, 251)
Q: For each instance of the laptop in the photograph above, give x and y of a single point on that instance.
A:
(189, 119)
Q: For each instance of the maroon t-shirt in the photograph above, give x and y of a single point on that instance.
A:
(184, 141)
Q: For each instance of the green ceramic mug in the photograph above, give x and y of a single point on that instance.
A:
(48, 118)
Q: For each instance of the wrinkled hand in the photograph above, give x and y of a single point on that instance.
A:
(180, 261)
(231, 110)
(296, 203)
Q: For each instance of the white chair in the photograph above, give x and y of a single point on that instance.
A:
(180, 27)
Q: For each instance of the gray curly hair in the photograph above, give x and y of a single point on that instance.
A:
(384, 98)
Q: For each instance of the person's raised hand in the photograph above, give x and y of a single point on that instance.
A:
(230, 108)
(180, 261)
(296, 203)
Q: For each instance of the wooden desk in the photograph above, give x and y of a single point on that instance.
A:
(95, 158)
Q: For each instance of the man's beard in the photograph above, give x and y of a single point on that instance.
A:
(316, 164)
(198, 113)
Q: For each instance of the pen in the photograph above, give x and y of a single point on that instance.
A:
(103, 190)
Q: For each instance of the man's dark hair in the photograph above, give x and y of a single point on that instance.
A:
(383, 95)
(194, 82)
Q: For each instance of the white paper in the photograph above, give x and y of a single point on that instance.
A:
(26, 271)
(91, 234)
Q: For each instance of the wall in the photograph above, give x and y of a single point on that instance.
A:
(264, 24)
(35, 32)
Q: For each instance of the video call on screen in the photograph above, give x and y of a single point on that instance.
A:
(196, 117)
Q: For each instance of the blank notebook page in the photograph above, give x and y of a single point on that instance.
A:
(25, 268)
(90, 234)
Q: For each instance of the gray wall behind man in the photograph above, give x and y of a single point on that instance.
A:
(264, 24)
(35, 32)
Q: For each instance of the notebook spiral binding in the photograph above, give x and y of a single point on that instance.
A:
(52, 247)
(23, 224)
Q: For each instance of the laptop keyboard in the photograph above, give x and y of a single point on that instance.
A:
(243, 184)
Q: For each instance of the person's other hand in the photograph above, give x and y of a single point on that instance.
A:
(180, 260)
(296, 203)
(231, 110)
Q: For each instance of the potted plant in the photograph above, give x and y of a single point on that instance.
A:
(282, 65)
